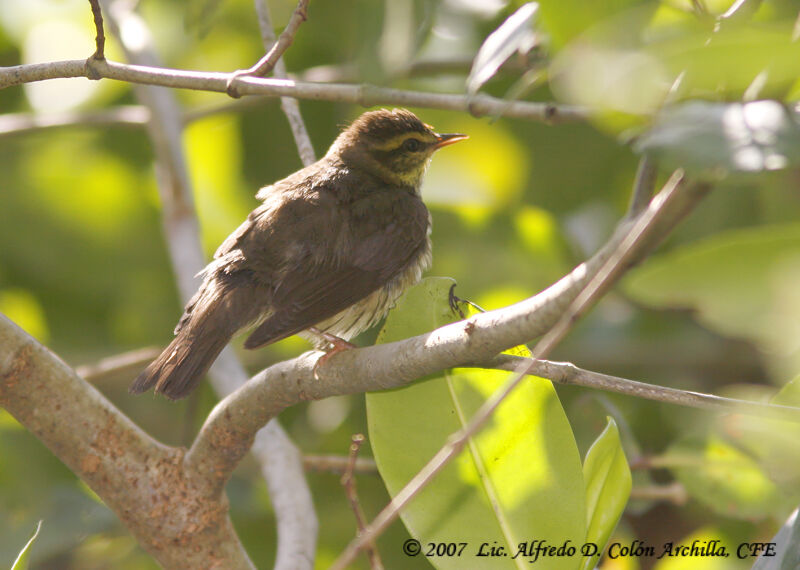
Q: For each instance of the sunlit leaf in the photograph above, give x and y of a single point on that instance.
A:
(21, 563)
(608, 485)
(515, 35)
(519, 477)
(749, 137)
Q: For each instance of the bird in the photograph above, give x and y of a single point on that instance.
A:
(326, 254)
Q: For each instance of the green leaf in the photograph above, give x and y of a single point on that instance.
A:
(520, 477)
(723, 477)
(565, 19)
(740, 283)
(732, 62)
(745, 137)
(21, 563)
(515, 35)
(786, 545)
(608, 485)
(774, 443)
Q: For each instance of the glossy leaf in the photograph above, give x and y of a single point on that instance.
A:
(21, 563)
(515, 35)
(608, 485)
(520, 477)
(746, 137)
(786, 545)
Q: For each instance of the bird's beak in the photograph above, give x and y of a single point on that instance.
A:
(444, 140)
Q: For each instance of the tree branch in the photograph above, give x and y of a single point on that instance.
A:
(348, 481)
(100, 37)
(644, 185)
(338, 464)
(267, 63)
(289, 105)
(568, 374)
(364, 95)
(126, 362)
(141, 480)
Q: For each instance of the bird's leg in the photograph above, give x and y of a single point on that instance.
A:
(338, 345)
(456, 302)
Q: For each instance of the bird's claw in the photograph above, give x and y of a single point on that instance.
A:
(337, 345)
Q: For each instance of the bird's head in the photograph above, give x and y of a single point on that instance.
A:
(393, 145)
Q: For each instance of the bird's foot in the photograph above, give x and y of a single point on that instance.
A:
(337, 345)
(456, 303)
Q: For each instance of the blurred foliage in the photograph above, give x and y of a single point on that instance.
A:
(84, 268)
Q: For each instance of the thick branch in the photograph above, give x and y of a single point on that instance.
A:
(139, 479)
(364, 95)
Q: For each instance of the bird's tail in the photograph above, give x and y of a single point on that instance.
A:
(178, 369)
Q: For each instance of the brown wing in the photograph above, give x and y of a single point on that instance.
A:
(313, 291)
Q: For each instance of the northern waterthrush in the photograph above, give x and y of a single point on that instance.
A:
(331, 249)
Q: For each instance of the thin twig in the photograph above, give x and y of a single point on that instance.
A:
(364, 95)
(674, 493)
(123, 116)
(124, 362)
(607, 274)
(289, 105)
(100, 37)
(643, 185)
(266, 63)
(136, 116)
(569, 374)
(348, 481)
(338, 464)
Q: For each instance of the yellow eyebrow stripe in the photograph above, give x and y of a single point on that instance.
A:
(396, 141)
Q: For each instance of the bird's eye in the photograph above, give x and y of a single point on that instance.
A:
(412, 145)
